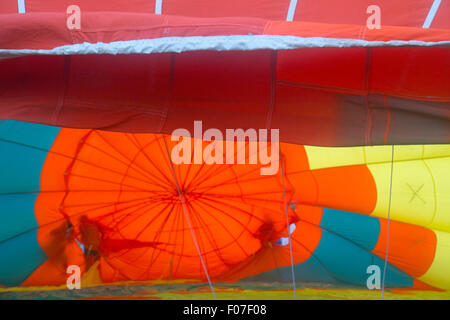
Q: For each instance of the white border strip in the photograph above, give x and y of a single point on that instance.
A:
(158, 6)
(21, 6)
(216, 43)
(291, 11)
(434, 8)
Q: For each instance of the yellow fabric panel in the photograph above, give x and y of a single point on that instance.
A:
(437, 274)
(440, 171)
(380, 154)
(413, 192)
(325, 157)
(92, 276)
(421, 179)
(436, 150)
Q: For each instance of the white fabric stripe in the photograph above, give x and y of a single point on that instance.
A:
(158, 6)
(216, 43)
(291, 11)
(431, 13)
(21, 6)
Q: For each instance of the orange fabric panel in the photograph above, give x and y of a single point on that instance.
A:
(310, 214)
(419, 285)
(54, 174)
(47, 274)
(49, 211)
(350, 31)
(349, 188)
(51, 217)
(123, 182)
(393, 12)
(53, 271)
(110, 273)
(294, 157)
(305, 239)
(411, 248)
(305, 187)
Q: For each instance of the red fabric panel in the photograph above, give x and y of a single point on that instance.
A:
(301, 113)
(329, 67)
(31, 87)
(49, 30)
(162, 92)
(420, 72)
(442, 18)
(217, 86)
(143, 6)
(393, 71)
(33, 31)
(8, 6)
(393, 12)
(273, 10)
